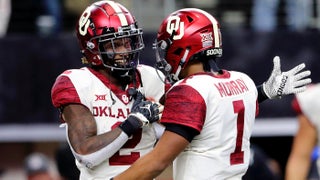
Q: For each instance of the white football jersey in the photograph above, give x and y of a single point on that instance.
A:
(109, 111)
(223, 110)
(310, 105)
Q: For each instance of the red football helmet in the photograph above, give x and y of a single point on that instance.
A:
(108, 22)
(185, 35)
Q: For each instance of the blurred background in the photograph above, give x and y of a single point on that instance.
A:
(37, 43)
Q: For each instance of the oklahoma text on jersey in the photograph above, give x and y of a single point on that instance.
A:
(108, 112)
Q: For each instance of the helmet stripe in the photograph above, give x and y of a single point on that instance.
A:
(119, 12)
(214, 24)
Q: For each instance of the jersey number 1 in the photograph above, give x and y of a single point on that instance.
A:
(237, 156)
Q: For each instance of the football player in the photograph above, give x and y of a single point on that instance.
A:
(106, 128)
(306, 105)
(209, 112)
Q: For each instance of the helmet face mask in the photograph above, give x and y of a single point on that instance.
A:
(109, 36)
(119, 51)
(116, 52)
(187, 35)
(161, 63)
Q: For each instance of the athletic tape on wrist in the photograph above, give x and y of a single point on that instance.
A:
(141, 117)
(130, 125)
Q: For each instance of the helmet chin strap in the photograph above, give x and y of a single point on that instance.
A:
(125, 76)
(181, 63)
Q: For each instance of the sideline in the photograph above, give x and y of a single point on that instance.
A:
(264, 127)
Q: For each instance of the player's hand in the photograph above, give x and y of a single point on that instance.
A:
(143, 112)
(284, 83)
(146, 111)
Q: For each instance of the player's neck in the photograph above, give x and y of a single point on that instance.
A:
(192, 68)
(120, 83)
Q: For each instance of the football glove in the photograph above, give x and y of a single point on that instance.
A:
(284, 83)
(142, 113)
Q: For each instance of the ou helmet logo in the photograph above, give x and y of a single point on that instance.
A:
(173, 25)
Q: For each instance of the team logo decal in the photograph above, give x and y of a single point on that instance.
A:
(175, 25)
(101, 97)
(206, 39)
(125, 98)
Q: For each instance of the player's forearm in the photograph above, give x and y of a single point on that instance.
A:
(82, 130)
(146, 168)
(95, 158)
(87, 143)
(297, 168)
